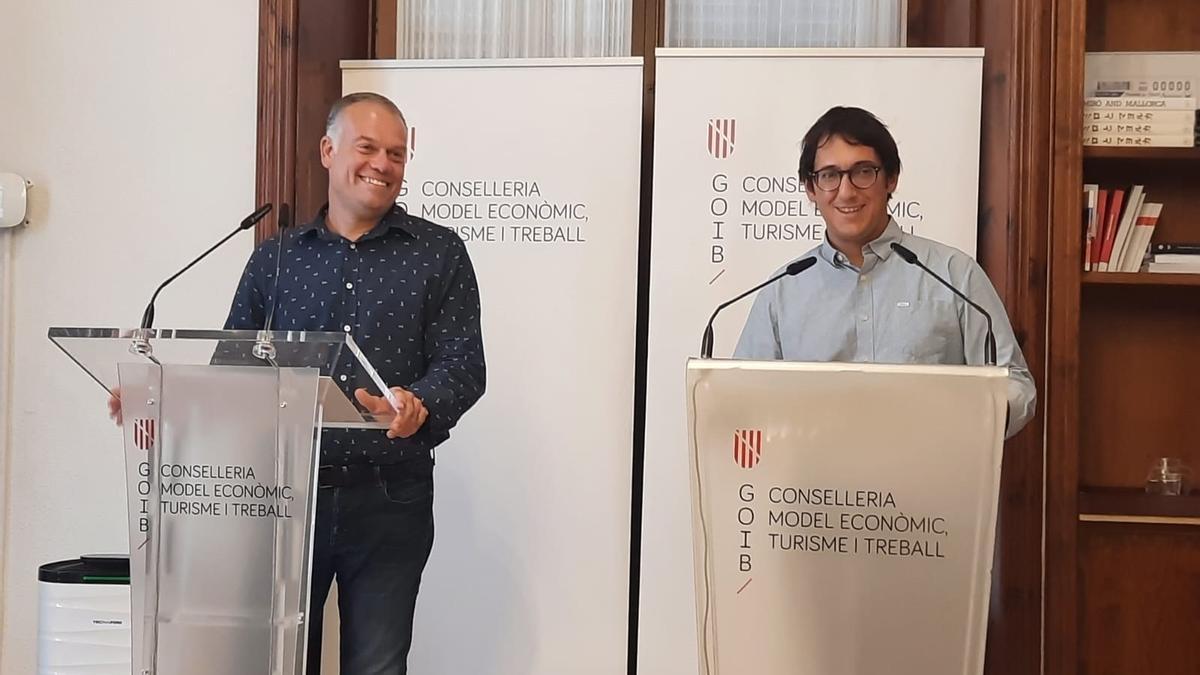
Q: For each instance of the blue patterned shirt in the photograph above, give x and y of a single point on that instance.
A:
(405, 291)
(888, 311)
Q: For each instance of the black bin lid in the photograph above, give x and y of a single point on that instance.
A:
(89, 569)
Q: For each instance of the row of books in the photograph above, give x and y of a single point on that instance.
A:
(1141, 99)
(1118, 226)
(1140, 120)
(1175, 258)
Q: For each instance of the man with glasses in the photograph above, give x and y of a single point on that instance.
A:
(862, 302)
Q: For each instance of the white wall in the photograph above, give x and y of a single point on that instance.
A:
(136, 122)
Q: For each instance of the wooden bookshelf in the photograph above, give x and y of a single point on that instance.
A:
(1123, 383)
(1141, 279)
(1102, 153)
(1135, 503)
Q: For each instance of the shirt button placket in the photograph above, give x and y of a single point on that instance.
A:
(865, 310)
(353, 264)
(351, 303)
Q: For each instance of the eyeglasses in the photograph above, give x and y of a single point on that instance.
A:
(862, 176)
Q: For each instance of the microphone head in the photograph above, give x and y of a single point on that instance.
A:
(800, 265)
(909, 256)
(252, 219)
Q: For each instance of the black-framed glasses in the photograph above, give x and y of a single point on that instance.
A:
(862, 176)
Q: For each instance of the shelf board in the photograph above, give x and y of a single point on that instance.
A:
(1141, 279)
(1134, 505)
(1099, 152)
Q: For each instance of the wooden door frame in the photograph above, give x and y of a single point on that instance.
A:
(1062, 396)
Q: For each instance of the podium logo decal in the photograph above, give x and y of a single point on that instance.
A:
(143, 433)
(721, 134)
(747, 447)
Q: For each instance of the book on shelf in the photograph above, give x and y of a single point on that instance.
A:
(1091, 194)
(1118, 226)
(1138, 245)
(1102, 200)
(1173, 268)
(1141, 129)
(1118, 141)
(1124, 116)
(1141, 140)
(1108, 234)
(1178, 88)
(1133, 202)
(1177, 258)
(1146, 73)
(1127, 103)
(1175, 247)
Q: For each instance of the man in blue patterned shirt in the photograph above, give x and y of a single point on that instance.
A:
(404, 288)
(862, 302)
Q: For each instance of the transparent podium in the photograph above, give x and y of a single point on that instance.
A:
(844, 515)
(221, 434)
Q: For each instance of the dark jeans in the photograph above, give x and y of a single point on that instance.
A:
(375, 538)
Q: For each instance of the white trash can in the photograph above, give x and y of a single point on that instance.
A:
(83, 617)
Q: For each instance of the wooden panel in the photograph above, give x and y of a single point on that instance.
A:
(1065, 69)
(1095, 153)
(1140, 380)
(276, 152)
(1014, 191)
(1139, 588)
(997, 155)
(1143, 25)
(942, 23)
(1135, 502)
(329, 31)
(301, 43)
(1142, 278)
(383, 43)
(1015, 156)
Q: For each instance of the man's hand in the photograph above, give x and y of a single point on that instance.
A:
(114, 405)
(407, 421)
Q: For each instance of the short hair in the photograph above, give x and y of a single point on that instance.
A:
(339, 106)
(857, 127)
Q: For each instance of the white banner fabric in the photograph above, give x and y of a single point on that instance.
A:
(729, 209)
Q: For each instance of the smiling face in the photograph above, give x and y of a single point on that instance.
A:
(365, 154)
(854, 216)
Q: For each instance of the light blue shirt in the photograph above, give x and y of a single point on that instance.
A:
(888, 311)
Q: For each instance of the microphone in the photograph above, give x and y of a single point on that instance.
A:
(706, 342)
(247, 223)
(989, 342)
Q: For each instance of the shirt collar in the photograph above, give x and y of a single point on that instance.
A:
(395, 219)
(881, 246)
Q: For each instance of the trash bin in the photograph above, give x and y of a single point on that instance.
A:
(83, 617)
